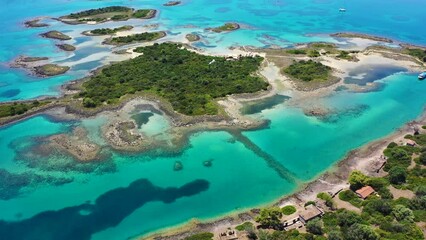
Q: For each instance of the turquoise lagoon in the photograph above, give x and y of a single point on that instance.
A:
(47, 195)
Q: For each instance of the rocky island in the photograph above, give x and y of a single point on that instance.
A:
(172, 3)
(35, 23)
(193, 37)
(56, 35)
(49, 70)
(66, 47)
(113, 13)
(227, 27)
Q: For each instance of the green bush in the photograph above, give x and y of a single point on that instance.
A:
(201, 236)
(315, 227)
(245, 226)
(288, 210)
(397, 175)
(308, 71)
(351, 197)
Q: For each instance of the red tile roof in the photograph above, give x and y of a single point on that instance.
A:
(364, 192)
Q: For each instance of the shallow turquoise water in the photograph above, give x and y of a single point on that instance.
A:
(131, 194)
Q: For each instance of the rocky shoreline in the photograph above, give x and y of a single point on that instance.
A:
(364, 159)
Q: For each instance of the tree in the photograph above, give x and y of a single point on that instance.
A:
(347, 218)
(315, 227)
(422, 158)
(357, 180)
(335, 235)
(89, 103)
(361, 232)
(270, 217)
(397, 175)
(403, 213)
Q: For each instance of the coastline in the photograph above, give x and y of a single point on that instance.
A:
(336, 176)
(331, 180)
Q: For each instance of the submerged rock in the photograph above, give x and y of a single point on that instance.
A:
(208, 163)
(178, 166)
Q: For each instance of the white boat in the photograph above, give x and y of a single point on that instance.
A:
(342, 9)
(422, 76)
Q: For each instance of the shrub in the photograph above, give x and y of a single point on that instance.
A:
(308, 71)
(361, 232)
(351, 197)
(288, 210)
(403, 213)
(357, 180)
(245, 226)
(201, 236)
(397, 175)
(315, 227)
(270, 217)
(392, 145)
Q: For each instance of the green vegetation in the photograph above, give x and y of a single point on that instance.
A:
(201, 236)
(327, 198)
(189, 81)
(346, 55)
(270, 217)
(140, 37)
(288, 210)
(313, 53)
(56, 35)
(315, 227)
(51, 70)
(245, 226)
(93, 12)
(418, 53)
(12, 109)
(114, 13)
(142, 13)
(296, 51)
(226, 27)
(33, 59)
(351, 197)
(308, 71)
(108, 31)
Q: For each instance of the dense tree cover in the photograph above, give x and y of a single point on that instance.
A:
(308, 71)
(361, 232)
(97, 11)
(201, 236)
(189, 81)
(139, 37)
(397, 175)
(270, 217)
(15, 108)
(418, 53)
(107, 31)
